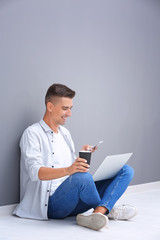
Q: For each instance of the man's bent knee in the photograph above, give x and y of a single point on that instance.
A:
(128, 171)
(82, 178)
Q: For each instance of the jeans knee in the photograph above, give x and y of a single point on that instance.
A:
(128, 171)
(82, 176)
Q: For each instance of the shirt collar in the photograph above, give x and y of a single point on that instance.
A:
(46, 127)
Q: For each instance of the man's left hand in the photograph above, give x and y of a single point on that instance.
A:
(88, 148)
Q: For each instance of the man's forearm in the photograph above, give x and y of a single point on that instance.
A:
(46, 173)
(79, 165)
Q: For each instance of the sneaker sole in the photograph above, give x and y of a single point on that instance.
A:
(94, 221)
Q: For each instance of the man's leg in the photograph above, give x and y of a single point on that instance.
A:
(111, 190)
(77, 188)
(78, 194)
(79, 191)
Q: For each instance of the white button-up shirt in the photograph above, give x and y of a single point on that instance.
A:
(37, 151)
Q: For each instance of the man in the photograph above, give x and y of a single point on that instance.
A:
(56, 184)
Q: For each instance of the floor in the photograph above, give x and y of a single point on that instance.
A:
(146, 225)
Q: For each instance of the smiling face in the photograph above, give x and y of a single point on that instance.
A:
(58, 110)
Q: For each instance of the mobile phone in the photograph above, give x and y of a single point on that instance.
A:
(97, 144)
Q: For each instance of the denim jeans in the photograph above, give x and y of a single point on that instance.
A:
(79, 193)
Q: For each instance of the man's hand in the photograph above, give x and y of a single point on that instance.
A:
(79, 165)
(88, 148)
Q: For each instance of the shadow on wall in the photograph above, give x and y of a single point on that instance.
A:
(10, 159)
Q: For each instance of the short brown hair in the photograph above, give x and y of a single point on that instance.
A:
(58, 90)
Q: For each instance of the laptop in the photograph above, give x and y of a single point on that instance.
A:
(111, 166)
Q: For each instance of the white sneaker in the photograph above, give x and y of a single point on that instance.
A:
(123, 212)
(94, 221)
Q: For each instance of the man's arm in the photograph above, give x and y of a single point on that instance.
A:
(79, 165)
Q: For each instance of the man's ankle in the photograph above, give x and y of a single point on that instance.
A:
(101, 209)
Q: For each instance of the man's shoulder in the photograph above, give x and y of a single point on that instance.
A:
(32, 129)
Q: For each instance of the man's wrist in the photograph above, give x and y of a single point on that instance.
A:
(68, 172)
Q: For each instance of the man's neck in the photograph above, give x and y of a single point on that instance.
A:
(53, 126)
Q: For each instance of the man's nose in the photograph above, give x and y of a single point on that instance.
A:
(69, 113)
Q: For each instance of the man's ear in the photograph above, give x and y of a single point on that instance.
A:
(49, 106)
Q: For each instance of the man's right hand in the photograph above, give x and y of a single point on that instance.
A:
(80, 165)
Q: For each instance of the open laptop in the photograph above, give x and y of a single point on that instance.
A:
(111, 166)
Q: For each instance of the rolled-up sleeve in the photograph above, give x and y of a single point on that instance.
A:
(31, 153)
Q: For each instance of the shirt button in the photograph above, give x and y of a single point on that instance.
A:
(45, 205)
(53, 153)
(47, 190)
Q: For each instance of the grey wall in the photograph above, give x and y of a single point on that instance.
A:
(108, 51)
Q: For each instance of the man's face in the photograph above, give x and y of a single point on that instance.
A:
(60, 109)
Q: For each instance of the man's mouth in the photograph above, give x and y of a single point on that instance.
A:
(64, 118)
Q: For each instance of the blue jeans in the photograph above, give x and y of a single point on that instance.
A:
(79, 193)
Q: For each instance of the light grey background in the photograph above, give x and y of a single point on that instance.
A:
(108, 51)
